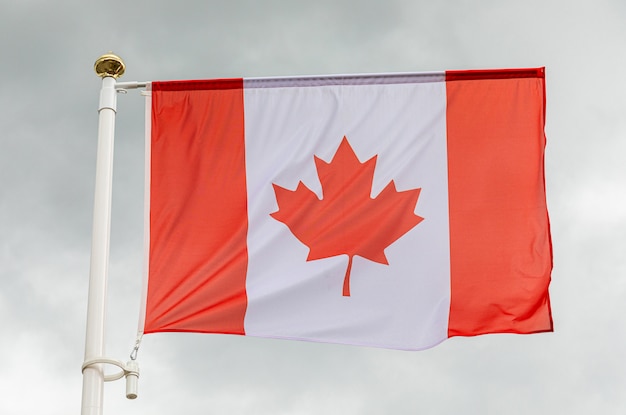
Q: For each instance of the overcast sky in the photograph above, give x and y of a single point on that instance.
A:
(48, 123)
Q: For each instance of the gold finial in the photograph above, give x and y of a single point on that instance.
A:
(109, 65)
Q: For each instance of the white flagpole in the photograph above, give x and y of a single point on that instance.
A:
(108, 67)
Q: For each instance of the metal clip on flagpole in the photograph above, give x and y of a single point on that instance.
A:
(109, 67)
(130, 370)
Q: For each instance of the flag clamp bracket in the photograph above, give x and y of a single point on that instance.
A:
(130, 370)
(123, 87)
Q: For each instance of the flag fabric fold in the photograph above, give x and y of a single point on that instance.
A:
(392, 210)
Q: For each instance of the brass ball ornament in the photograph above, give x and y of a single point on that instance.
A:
(109, 64)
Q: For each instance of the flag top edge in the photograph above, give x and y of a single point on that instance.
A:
(345, 80)
(351, 79)
(482, 74)
(191, 85)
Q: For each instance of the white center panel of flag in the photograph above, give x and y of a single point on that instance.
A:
(406, 303)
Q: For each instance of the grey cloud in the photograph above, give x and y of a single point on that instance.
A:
(48, 99)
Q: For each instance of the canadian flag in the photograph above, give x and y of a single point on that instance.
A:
(391, 210)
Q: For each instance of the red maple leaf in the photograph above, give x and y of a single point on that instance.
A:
(347, 220)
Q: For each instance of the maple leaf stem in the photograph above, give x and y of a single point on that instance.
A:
(346, 280)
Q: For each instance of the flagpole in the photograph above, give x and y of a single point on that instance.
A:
(108, 67)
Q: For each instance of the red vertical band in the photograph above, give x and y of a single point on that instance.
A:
(198, 208)
(499, 232)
